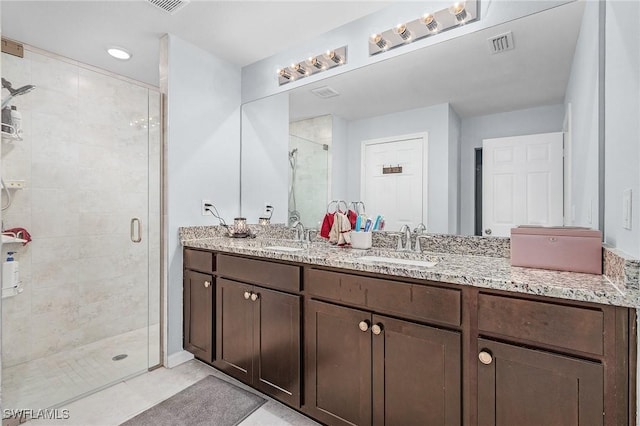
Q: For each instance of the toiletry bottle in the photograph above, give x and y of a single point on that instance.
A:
(6, 120)
(16, 121)
(10, 271)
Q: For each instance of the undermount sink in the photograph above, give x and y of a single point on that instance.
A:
(409, 262)
(282, 248)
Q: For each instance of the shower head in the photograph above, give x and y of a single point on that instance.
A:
(14, 92)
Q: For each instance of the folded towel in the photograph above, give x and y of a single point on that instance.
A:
(341, 230)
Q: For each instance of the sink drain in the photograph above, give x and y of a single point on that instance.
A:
(119, 357)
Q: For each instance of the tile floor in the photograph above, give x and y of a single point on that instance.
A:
(120, 402)
(74, 372)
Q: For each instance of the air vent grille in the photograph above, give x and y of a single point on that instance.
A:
(501, 43)
(169, 6)
(325, 92)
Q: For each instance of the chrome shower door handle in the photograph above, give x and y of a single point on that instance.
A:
(134, 238)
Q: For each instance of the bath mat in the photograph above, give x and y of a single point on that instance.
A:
(211, 401)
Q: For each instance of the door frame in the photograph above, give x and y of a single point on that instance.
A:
(425, 166)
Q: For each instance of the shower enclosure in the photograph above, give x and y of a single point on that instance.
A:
(309, 171)
(84, 181)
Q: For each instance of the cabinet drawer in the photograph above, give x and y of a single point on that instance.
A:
(200, 260)
(264, 273)
(571, 327)
(421, 302)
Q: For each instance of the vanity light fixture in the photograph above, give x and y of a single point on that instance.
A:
(428, 25)
(119, 53)
(313, 65)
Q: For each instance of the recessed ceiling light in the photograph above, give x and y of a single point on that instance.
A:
(119, 53)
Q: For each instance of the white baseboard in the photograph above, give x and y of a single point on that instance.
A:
(178, 358)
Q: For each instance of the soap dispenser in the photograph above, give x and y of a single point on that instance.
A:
(10, 271)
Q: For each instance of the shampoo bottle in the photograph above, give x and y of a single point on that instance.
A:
(10, 271)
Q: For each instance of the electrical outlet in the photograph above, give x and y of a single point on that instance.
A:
(203, 209)
(14, 184)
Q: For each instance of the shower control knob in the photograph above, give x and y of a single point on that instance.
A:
(207, 284)
(254, 297)
(247, 295)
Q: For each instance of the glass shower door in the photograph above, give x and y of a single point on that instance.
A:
(90, 160)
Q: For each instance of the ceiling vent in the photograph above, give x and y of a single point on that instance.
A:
(325, 92)
(501, 43)
(169, 6)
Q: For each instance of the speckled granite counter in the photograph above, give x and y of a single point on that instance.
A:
(479, 271)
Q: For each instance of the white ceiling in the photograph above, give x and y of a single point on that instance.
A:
(460, 71)
(238, 31)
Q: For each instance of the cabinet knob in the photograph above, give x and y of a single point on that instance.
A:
(254, 297)
(487, 231)
(364, 325)
(247, 295)
(376, 329)
(207, 284)
(485, 357)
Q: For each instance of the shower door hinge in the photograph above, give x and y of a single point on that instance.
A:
(12, 48)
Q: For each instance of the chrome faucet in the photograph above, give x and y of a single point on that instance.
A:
(299, 228)
(419, 230)
(406, 230)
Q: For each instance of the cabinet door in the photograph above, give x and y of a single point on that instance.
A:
(198, 314)
(416, 374)
(234, 329)
(276, 344)
(338, 365)
(522, 387)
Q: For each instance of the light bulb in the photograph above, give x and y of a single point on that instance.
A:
(379, 41)
(284, 74)
(299, 69)
(316, 63)
(458, 10)
(403, 32)
(333, 56)
(430, 21)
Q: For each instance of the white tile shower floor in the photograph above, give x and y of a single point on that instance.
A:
(118, 403)
(52, 380)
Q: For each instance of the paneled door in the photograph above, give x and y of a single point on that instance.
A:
(393, 180)
(522, 182)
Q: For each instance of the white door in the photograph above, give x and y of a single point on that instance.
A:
(521, 182)
(395, 193)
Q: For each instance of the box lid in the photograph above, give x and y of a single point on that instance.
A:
(565, 231)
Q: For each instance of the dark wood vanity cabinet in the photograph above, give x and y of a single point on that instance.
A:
(198, 298)
(258, 328)
(365, 368)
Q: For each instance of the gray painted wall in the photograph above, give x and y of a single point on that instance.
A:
(202, 157)
(514, 123)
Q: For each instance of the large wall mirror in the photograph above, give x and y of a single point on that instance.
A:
(406, 135)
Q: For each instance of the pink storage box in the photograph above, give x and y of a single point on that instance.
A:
(560, 248)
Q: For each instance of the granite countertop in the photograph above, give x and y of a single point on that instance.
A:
(478, 271)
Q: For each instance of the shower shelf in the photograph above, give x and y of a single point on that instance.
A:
(7, 239)
(10, 136)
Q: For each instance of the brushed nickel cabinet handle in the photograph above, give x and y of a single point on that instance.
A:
(254, 297)
(207, 284)
(364, 325)
(487, 231)
(485, 357)
(247, 295)
(376, 329)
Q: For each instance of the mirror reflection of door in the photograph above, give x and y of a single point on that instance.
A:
(522, 182)
(393, 180)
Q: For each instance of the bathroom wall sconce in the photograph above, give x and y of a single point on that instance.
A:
(313, 65)
(459, 13)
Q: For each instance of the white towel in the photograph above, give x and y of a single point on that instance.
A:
(341, 230)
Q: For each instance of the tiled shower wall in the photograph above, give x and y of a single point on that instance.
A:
(89, 168)
(313, 167)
